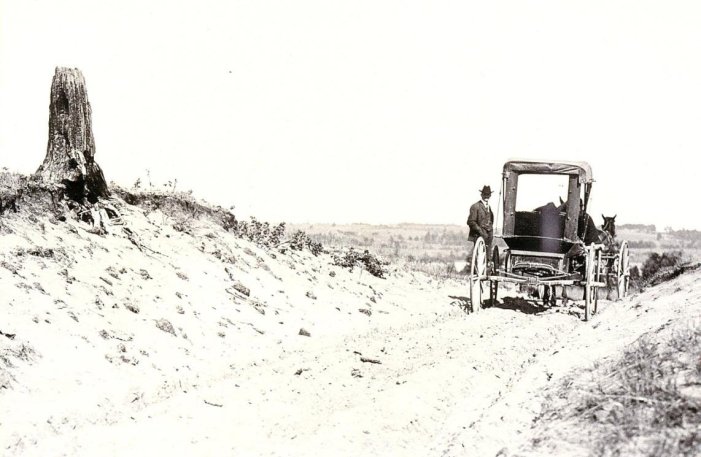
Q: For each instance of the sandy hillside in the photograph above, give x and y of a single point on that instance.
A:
(153, 341)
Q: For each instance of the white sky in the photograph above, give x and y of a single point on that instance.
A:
(369, 111)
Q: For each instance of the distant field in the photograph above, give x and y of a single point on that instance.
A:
(437, 248)
(425, 242)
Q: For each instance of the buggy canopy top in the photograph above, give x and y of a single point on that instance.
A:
(528, 166)
(528, 230)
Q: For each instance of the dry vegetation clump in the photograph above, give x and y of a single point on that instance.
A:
(647, 402)
(261, 233)
(351, 258)
(300, 240)
(657, 262)
(182, 207)
(659, 268)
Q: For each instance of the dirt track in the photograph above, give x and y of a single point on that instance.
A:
(438, 381)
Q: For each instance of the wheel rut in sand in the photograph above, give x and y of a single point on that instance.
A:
(435, 378)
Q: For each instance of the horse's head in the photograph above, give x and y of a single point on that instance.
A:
(563, 205)
(609, 225)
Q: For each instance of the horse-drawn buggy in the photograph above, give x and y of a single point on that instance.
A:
(557, 250)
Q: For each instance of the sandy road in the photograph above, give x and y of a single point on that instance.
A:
(436, 377)
(448, 384)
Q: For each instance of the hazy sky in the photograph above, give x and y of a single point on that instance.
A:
(369, 111)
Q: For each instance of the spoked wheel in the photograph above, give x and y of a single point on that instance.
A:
(494, 285)
(597, 278)
(589, 289)
(623, 271)
(549, 296)
(478, 272)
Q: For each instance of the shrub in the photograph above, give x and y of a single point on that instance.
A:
(352, 258)
(300, 240)
(656, 262)
(260, 233)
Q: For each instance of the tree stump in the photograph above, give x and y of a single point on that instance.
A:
(70, 155)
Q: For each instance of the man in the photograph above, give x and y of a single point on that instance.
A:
(481, 221)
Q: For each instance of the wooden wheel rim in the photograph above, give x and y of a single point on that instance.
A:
(623, 271)
(588, 289)
(478, 272)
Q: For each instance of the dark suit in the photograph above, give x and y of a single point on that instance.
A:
(481, 221)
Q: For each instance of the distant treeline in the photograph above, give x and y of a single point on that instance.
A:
(686, 235)
(639, 227)
(634, 244)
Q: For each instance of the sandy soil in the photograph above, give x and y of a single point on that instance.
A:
(93, 368)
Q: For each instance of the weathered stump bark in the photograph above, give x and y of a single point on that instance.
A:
(70, 155)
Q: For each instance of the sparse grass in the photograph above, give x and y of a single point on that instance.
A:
(646, 402)
(183, 210)
(437, 269)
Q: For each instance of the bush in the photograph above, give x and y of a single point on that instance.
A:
(352, 258)
(299, 240)
(656, 262)
(260, 233)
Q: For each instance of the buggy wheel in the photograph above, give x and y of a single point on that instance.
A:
(494, 285)
(478, 272)
(623, 271)
(549, 296)
(597, 278)
(589, 289)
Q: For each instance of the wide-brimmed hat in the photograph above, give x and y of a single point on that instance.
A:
(486, 190)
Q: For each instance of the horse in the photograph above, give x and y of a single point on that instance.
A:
(609, 225)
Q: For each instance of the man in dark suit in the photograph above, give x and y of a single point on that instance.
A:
(481, 221)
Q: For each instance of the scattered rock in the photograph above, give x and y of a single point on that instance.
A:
(365, 311)
(300, 371)
(369, 360)
(356, 373)
(145, 274)
(242, 289)
(180, 309)
(112, 272)
(182, 275)
(311, 295)
(303, 332)
(166, 326)
(133, 308)
(332, 274)
(259, 307)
